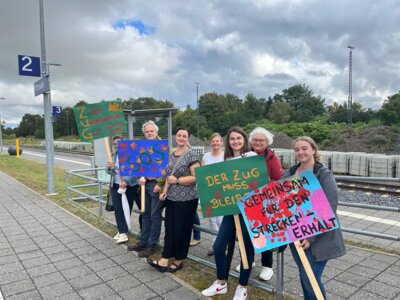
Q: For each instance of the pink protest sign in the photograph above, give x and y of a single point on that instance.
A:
(287, 210)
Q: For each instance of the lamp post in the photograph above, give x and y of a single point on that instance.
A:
(48, 126)
(1, 130)
(198, 110)
(350, 98)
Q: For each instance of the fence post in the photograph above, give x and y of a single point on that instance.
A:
(279, 276)
(67, 185)
(100, 198)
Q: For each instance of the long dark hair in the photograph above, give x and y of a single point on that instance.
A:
(228, 149)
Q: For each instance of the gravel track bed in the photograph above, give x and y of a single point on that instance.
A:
(369, 198)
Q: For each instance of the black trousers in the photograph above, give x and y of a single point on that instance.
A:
(179, 219)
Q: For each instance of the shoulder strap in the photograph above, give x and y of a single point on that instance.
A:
(180, 158)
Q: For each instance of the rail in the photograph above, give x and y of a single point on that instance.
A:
(278, 290)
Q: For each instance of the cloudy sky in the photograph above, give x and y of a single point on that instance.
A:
(123, 49)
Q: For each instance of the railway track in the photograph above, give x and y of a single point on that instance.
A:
(372, 187)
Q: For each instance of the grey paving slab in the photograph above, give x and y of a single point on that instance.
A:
(55, 290)
(50, 254)
(140, 292)
(74, 272)
(29, 295)
(100, 291)
(112, 273)
(123, 283)
(48, 279)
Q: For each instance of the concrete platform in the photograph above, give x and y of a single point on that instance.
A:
(47, 253)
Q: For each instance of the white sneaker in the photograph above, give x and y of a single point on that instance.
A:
(215, 289)
(241, 293)
(122, 238)
(266, 273)
(116, 237)
(238, 267)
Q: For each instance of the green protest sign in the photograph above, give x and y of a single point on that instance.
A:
(221, 185)
(99, 120)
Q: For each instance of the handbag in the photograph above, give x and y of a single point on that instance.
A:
(109, 203)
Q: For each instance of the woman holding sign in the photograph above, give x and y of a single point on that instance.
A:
(181, 197)
(131, 185)
(237, 146)
(318, 249)
(260, 139)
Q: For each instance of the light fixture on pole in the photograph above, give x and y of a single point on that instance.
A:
(198, 110)
(350, 97)
(1, 130)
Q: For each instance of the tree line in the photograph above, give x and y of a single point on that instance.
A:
(218, 112)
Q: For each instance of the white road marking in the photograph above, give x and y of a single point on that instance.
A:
(368, 218)
(62, 159)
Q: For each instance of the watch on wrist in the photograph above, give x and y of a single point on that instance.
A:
(177, 181)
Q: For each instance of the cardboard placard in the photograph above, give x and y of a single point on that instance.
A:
(287, 210)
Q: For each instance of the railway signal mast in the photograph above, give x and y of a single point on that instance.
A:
(350, 98)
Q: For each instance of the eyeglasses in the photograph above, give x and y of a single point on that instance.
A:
(259, 140)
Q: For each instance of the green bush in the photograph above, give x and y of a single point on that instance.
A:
(319, 130)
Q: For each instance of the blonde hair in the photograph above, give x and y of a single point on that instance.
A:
(215, 134)
(307, 139)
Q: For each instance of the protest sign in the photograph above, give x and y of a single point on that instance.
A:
(147, 158)
(99, 120)
(221, 185)
(287, 210)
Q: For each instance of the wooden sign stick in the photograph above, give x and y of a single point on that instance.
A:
(108, 150)
(310, 273)
(142, 198)
(241, 242)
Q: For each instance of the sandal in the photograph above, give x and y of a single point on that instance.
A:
(177, 267)
(155, 265)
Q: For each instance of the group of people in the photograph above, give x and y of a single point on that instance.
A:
(179, 194)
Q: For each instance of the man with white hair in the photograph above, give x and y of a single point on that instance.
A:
(151, 218)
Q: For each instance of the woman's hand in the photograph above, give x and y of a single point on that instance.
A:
(156, 189)
(305, 244)
(162, 196)
(172, 179)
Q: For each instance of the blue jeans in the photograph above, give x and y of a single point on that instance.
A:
(226, 239)
(131, 191)
(151, 218)
(196, 233)
(317, 267)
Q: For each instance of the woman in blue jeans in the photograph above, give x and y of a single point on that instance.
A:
(237, 146)
(320, 248)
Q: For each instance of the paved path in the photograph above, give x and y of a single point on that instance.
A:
(47, 253)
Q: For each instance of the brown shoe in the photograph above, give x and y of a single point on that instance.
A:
(137, 247)
(149, 251)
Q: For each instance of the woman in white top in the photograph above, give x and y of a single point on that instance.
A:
(214, 156)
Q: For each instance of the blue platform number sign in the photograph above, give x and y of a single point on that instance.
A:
(57, 110)
(29, 65)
